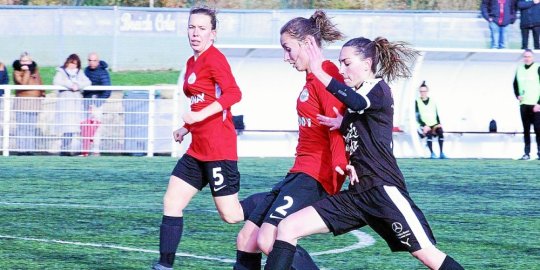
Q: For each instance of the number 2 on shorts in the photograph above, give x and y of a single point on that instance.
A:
(287, 205)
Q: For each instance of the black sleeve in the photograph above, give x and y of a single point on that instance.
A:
(516, 86)
(347, 95)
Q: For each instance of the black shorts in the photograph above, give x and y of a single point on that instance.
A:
(294, 192)
(387, 210)
(222, 175)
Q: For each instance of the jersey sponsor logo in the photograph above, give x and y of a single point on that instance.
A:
(192, 78)
(402, 235)
(304, 121)
(197, 98)
(351, 139)
(304, 95)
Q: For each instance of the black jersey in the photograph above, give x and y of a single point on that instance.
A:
(368, 136)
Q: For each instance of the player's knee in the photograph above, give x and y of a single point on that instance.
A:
(231, 217)
(265, 243)
(172, 205)
(286, 229)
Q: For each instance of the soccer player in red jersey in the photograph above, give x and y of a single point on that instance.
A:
(319, 153)
(377, 195)
(211, 158)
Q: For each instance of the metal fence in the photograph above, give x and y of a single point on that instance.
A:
(135, 120)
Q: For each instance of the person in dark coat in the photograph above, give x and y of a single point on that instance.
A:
(98, 74)
(499, 14)
(529, 21)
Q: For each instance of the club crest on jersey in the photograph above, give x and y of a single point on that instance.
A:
(192, 78)
(304, 95)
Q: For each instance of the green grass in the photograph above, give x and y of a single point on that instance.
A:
(484, 213)
(150, 77)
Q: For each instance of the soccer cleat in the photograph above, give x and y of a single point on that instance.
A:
(158, 266)
(433, 156)
(525, 157)
(442, 156)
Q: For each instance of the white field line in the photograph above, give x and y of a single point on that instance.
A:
(89, 206)
(113, 247)
(364, 240)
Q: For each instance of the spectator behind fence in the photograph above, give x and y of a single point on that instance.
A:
(527, 91)
(428, 119)
(4, 76)
(529, 20)
(69, 105)
(499, 14)
(98, 74)
(27, 103)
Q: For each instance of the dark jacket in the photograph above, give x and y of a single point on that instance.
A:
(529, 14)
(4, 77)
(98, 76)
(491, 11)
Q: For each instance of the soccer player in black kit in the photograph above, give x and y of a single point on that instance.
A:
(377, 195)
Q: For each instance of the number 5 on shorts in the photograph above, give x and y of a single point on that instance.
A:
(218, 177)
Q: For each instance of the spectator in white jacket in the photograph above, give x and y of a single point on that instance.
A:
(69, 106)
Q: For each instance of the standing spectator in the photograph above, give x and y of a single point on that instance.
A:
(499, 14)
(27, 103)
(529, 20)
(428, 119)
(69, 106)
(527, 91)
(98, 74)
(4, 76)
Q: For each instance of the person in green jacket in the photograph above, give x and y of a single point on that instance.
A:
(527, 91)
(428, 119)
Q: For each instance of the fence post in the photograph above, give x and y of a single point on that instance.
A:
(5, 123)
(151, 122)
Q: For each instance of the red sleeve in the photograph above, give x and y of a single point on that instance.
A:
(222, 74)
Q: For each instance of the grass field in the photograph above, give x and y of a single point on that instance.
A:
(104, 213)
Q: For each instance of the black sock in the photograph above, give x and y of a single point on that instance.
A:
(247, 261)
(450, 264)
(302, 260)
(281, 256)
(250, 203)
(170, 233)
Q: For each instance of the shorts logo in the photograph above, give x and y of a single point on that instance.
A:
(276, 217)
(403, 236)
(192, 78)
(216, 189)
(304, 95)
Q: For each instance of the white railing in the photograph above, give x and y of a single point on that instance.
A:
(135, 120)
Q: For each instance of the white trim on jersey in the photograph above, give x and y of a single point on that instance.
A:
(412, 220)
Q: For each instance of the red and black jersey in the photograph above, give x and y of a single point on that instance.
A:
(319, 150)
(208, 79)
